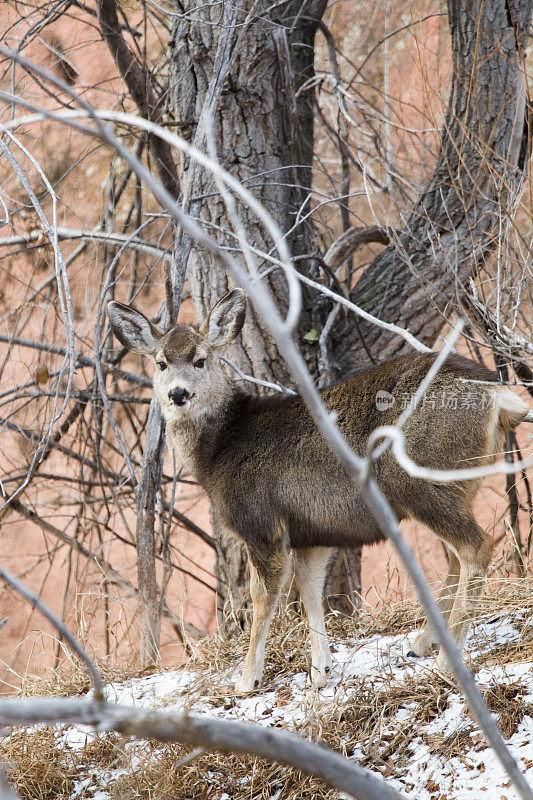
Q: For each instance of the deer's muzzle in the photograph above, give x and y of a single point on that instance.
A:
(179, 396)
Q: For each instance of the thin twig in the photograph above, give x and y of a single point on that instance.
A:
(60, 626)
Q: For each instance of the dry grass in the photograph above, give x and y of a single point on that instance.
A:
(507, 700)
(509, 595)
(42, 767)
(211, 776)
(378, 722)
(38, 766)
(75, 681)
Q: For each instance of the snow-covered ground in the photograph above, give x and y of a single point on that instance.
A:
(381, 662)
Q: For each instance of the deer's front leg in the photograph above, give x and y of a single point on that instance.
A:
(310, 567)
(267, 577)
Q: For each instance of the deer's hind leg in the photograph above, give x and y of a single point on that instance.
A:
(470, 554)
(310, 565)
(427, 640)
(268, 573)
(474, 551)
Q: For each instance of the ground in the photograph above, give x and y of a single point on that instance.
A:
(392, 714)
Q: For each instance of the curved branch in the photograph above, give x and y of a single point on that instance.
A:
(350, 241)
(36, 237)
(209, 733)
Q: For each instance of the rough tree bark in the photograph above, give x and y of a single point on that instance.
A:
(262, 134)
(258, 136)
(453, 228)
(149, 616)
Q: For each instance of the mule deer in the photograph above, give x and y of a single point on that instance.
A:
(276, 484)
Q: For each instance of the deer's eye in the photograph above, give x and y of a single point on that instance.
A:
(162, 366)
(200, 363)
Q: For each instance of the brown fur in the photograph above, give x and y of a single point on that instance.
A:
(264, 461)
(180, 342)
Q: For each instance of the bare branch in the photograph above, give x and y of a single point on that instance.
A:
(93, 236)
(346, 245)
(209, 733)
(106, 569)
(84, 361)
(63, 291)
(60, 626)
(442, 475)
(256, 381)
(139, 84)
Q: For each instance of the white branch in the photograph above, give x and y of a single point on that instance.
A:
(209, 733)
(387, 326)
(374, 451)
(277, 387)
(440, 475)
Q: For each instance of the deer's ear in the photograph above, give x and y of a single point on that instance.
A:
(226, 319)
(133, 330)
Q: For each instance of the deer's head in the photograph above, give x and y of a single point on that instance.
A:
(188, 377)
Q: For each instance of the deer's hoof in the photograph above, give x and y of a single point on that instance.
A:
(318, 681)
(246, 685)
(443, 666)
(423, 646)
(320, 674)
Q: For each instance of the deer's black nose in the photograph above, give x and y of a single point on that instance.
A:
(179, 396)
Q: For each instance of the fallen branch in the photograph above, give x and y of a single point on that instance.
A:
(209, 733)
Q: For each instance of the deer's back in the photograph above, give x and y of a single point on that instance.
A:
(271, 464)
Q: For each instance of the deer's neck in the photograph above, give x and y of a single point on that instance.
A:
(196, 436)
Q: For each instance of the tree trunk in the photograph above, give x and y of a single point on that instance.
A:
(453, 228)
(148, 597)
(343, 583)
(257, 133)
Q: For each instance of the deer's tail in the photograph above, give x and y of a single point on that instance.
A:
(512, 410)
